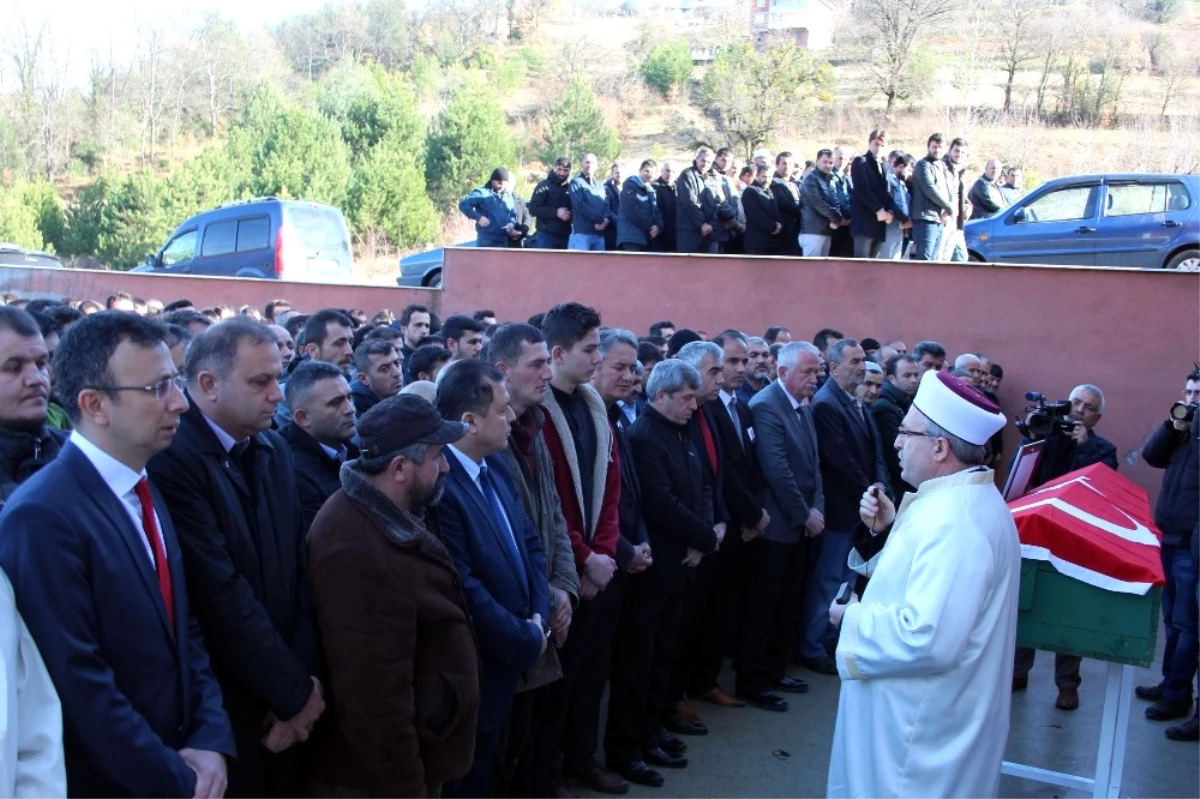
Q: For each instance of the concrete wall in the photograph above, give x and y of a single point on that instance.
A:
(1133, 333)
(87, 284)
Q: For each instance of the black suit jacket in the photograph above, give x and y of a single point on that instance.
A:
(134, 689)
(739, 463)
(871, 195)
(851, 457)
(633, 526)
(888, 412)
(318, 476)
(762, 215)
(242, 534)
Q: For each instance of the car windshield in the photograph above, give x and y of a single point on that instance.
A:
(319, 230)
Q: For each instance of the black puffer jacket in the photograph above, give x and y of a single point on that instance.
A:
(548, 197)
(1178, 509)
(22, 454)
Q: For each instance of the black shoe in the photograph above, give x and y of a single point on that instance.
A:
(1187, 731)
(640, 773)
(1166, 709)
(1149, 692)
(790, 685)
(765, 700)
(669, 743)
(821, 665)
(658, 757)
(681, 726)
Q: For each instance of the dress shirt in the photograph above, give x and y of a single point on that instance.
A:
(122, 481)
(730, 403)
(474, 470)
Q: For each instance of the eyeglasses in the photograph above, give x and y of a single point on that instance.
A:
(161, 390)
(902, 433)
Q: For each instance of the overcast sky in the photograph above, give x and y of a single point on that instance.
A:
(83, 28)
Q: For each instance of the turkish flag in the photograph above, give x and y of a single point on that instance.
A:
(1095, 526)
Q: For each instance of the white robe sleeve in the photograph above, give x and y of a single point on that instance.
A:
(31, 739)
(927, 633)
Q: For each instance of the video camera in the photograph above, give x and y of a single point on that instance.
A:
(1183, 412)
(1045, 419)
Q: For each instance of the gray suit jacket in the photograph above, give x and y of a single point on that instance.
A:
(786, 442)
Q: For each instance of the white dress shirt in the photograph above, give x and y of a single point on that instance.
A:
(122, 481)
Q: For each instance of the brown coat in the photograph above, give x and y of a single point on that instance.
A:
(404, 714)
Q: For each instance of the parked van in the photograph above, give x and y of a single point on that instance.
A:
(264, 238)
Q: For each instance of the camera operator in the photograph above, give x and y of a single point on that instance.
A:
(1068, 449)
(1175, 447)
(1082, 445)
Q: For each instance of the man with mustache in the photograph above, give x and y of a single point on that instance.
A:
(393, 621)
(27, 443)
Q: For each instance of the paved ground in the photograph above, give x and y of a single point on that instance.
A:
(755, 753)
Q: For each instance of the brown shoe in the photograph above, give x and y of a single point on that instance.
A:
(719, 697)
(601, 780)
(685, 710)
(1068, 699)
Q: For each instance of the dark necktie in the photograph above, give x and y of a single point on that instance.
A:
(489, 491)
(154, 536)
(737, 422)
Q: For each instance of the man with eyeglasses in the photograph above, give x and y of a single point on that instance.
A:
(938, 619)
(228, 482)
(96, 567)
(1065, 453)
(1175, 447)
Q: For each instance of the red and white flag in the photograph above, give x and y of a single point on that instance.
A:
(1095, 526)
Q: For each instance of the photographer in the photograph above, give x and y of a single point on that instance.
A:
(1175, 448)
(1072, 444)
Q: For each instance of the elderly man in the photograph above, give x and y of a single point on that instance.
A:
(937, 620)
(394, 624)
(1065, 453)
(794, 501)
(677, 507)
(986, 197)
(868, 391)
(851, 462)
(973, 366)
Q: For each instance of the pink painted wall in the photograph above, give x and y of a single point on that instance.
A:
(1133, 333)
(87, 284)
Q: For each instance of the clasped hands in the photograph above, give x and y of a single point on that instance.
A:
(280, 735)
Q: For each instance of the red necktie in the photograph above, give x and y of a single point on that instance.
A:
(154, 536)
(709, 444)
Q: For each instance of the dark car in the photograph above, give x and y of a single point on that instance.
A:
(424, 269)
(260, 238)
(13, 255)
(1144, 221)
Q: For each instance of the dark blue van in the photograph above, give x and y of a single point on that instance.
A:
(261, 238)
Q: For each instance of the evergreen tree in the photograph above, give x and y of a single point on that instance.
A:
(470, 139)
(668, 65)
(576, 126)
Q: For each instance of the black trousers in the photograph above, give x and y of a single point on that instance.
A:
(568, 702)
(510, 779)
(774, 589)
(708, 619)
(582, 736)
(842, 245)
(644, 651)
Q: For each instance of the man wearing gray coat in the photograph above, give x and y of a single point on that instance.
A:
(932, 201)
(795, 499)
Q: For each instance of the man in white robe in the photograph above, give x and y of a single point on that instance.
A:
(926, 657)
(31, 738)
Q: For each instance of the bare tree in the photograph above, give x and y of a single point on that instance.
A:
(896, 25)
(1015, 21)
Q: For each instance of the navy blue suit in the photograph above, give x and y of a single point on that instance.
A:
(500, 602)
(134, 690)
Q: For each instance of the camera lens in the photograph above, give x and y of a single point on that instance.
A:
(1182, 412)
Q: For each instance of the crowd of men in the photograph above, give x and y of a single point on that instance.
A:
(880, 204)
(276, 553)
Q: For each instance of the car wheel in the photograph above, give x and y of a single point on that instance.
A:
(1186, 261)
(434, 281)
(975, 258)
